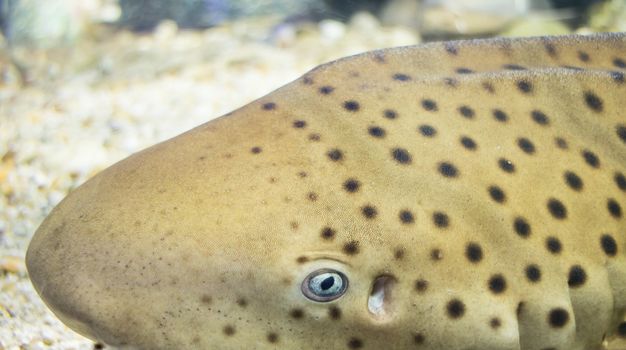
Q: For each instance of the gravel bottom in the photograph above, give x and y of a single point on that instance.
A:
(90, 106)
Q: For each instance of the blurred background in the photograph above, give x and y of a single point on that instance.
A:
(85, 83)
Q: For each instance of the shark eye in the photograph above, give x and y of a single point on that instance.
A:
(324, 285)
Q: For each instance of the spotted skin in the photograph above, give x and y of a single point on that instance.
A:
(485, 178)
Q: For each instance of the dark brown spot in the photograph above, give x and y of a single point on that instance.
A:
(495, 323)
(369, 211)
(620, 130)
(608, 244)
(406, 217)
(312, 196)
(467, 112)
(334, 312)
(463, 70)
(436, 254)
(474, 252)
(242, 302)
(351, 106)
(526, 145)
(390, 114)
(614, 208)
(525, 86)
(583, 56)
(229, 330)
(557, 209)
(550, 49)
(441, 219)
(497, 194)
(497, 284)
(429, 105)
(533, 273)
(302, 259)
(593, 101)
(553, 245)
(489, 87)
(558, 317)
(328, 233)
(399, 253)
(351, 248)
(455, 309)
(401, 77)
(421, 285)
(355, 343)
(325, 90)
(269, 106)
(418, 338)
(591, 158)
(448, 170)
(299, 124)
(256, 150)
(451, 49)
(314, 137)
(401, 155)
(468, 143)
(376, 131)
(522, 227)
(573, 181)
(206, 299)
(296, 313)
(500, 116)
(335, 155)
(577, 276)
(351, 185)
(619, 63)
(506, 165)
(540, 118)
(272, 337)
(427, 130)
(560, 143)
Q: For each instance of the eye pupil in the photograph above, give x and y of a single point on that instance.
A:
(327, 283)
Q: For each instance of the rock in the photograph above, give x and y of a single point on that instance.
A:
(52, 23)
(332, 30)
(143, 15)
(401, 13)
(608, 16)
(467, 17)
(12, 264)
(533, 25)
(364, 22)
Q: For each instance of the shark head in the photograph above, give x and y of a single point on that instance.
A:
(460, 195)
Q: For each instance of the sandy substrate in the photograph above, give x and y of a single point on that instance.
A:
(91, 106)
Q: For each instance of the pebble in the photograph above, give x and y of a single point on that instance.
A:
(12, 264)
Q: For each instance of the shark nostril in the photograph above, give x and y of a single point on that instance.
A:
(380, 299)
